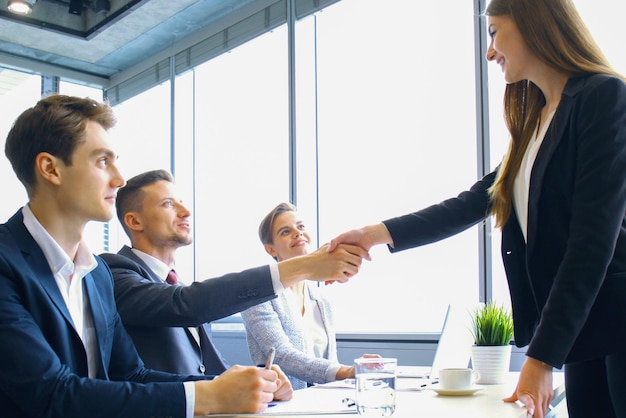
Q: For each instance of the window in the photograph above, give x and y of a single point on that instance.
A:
(241, 152)
(385, 120)
(19, 92)
(143, 127)
(94, 231)
(73, 89)
(396, 132)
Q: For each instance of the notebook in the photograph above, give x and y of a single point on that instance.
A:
(453, 349)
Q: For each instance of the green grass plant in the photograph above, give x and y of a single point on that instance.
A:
(492, 325)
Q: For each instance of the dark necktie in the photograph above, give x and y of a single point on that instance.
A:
(172, 278)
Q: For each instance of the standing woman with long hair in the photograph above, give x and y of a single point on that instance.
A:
(559, 197)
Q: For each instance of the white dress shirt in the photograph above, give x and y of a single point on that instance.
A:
(69, 276)
(161, 270)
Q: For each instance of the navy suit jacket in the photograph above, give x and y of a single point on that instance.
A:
(157, 315)
(568, 282)
(43, 365)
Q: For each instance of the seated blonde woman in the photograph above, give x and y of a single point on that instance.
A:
(298, 323)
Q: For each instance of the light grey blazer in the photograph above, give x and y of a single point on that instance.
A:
(272, 324)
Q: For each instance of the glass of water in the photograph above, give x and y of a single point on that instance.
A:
(375, 386)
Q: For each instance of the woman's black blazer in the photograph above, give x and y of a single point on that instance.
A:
(568, 281)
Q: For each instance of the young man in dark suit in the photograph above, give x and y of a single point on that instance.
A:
(64, 351)
(169, 323)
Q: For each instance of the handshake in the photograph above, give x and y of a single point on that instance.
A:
(251, 389)
(341, 259)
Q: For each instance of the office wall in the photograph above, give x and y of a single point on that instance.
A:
(418, 350)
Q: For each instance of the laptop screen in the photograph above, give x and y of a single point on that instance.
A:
(455, 344)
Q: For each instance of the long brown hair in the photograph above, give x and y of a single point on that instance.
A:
(556, 34)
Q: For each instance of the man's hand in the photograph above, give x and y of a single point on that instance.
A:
(534, 388)
(238, 390)
(323, 265)
(285, 390)
(365, 238)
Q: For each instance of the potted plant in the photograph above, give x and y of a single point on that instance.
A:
(492, 329)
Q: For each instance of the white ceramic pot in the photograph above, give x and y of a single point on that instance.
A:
(492, 362)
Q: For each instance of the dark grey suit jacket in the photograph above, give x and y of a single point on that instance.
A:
(568, 282)
(157, 315)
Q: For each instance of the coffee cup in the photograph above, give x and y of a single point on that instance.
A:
(457, 378)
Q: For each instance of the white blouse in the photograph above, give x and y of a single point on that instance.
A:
(522, 180)
(313, 331)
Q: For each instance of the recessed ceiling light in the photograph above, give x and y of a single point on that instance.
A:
(21, 6)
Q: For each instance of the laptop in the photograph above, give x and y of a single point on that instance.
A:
(453, 349)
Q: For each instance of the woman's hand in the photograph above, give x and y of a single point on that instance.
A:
(347, 372)
(534, 388)
(365, 238)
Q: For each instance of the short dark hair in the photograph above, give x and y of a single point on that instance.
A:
(130, 197)
(265, 229)
(56, 124)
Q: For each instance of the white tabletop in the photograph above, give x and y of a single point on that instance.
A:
(487, 402)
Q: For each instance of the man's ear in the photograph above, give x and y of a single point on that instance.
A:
(133, 222)
(46, 166)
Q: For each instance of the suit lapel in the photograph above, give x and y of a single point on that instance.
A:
(98, 316)
(554, 135)
(36, 261)
(127, 252)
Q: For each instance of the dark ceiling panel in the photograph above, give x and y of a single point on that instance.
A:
(105, 44)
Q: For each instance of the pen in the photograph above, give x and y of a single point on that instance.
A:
(348, 402)
(270, 358)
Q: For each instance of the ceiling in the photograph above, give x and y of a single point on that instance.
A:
(103, 44)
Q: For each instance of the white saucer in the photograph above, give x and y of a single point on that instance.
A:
(457, 392)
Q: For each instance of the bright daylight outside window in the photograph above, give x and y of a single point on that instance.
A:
(385, 126)
(396, 132)
(21, 91)
(241, 152)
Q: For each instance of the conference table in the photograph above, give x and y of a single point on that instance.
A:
(413, 400)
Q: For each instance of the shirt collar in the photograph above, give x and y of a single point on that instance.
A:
(157, 266)
(58, 260)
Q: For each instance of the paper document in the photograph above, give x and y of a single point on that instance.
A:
(346, 384)
(311, 401)
(324, 402)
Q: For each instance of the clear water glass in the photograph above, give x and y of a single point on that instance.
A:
(376, 386)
